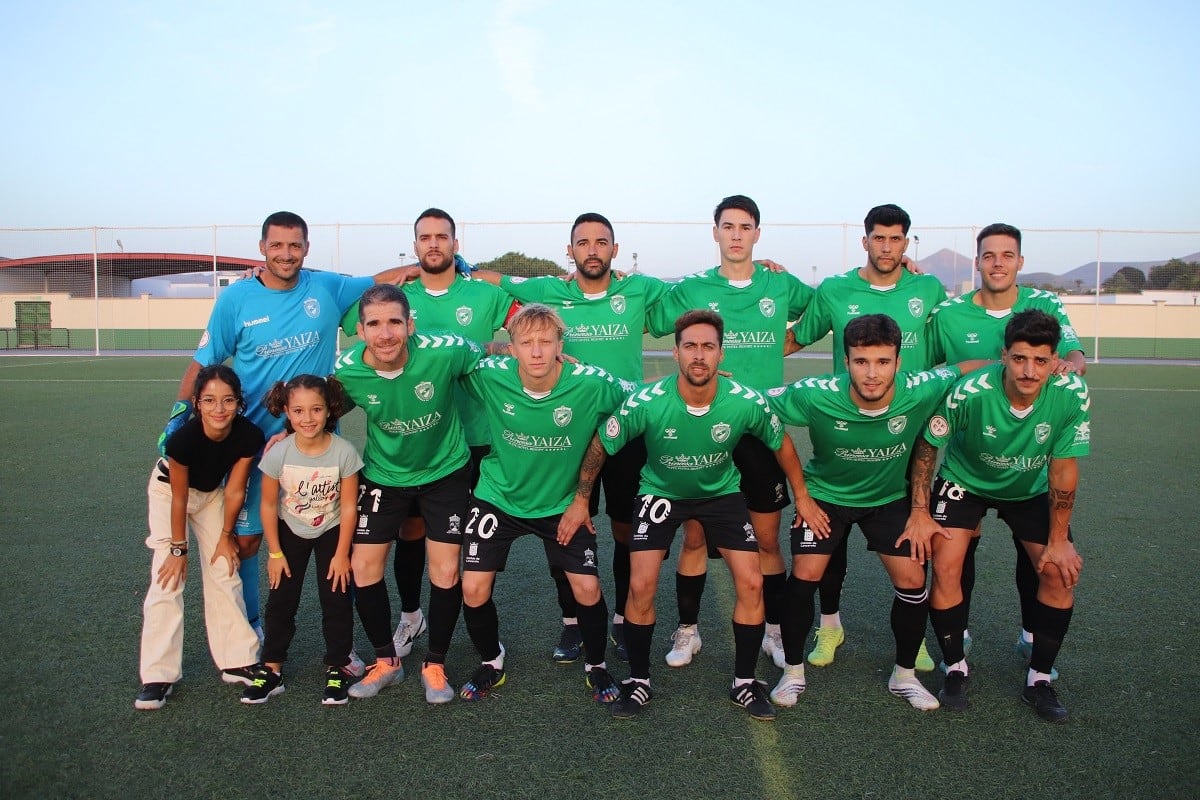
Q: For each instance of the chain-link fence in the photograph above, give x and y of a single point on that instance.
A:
(1130, 293)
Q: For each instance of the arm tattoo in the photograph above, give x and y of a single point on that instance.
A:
(593, 460)
(1062, 500)
(923, 463)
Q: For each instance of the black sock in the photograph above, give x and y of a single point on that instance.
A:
(408, 566)
(968, 575)
(637, 641)
(444, 605)
(1027, 587)
(797, 618)
(910, 612)
(593, 627)
(566, 597)
(746, 641)
(688, 591)
(1051, 628)
(774, 588)
(375, 611)
(620, 569)
(832, 580)
(483, 626)
(948, 626)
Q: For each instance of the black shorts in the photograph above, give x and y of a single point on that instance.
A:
(955, 507)
(620, 476)
(763, 483)
(726, 524)
(442, 503)
(881, 525)
(491, 532)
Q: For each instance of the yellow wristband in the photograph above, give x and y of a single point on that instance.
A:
(275, 555)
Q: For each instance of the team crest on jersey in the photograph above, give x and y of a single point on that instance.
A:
(464, 315)
(612, 428)
(312, 307)
(938, 426)
(424, 391)
(897, 424)
(617, 303)
(562, 416)
(720, 432)
(1042, 432)
(916, 307)
(767, 306)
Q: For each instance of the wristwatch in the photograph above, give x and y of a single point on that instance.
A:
(178, 550)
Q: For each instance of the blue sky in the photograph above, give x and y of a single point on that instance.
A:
(1046, 115)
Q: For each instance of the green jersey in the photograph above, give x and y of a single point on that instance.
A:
(841, 298)
(414, 435)
(960, 330)
(538, 442)
(603, 329)
(860, 459)
(992, 452)
(474, 310)
(756, 314)
(689, 452)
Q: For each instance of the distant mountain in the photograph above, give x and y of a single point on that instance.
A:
(953, 268)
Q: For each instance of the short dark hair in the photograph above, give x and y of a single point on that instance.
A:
(383, 293)
(739, 202)
(998, 229)
(700, 316)
(870, 330)
(1034, 328)
(435, 213)
(224, 374)
(285, 219)
(887, 215)
(592, 216)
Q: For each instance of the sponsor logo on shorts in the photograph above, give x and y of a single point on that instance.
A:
(589, 558)
(454, 528)
(749, 530)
